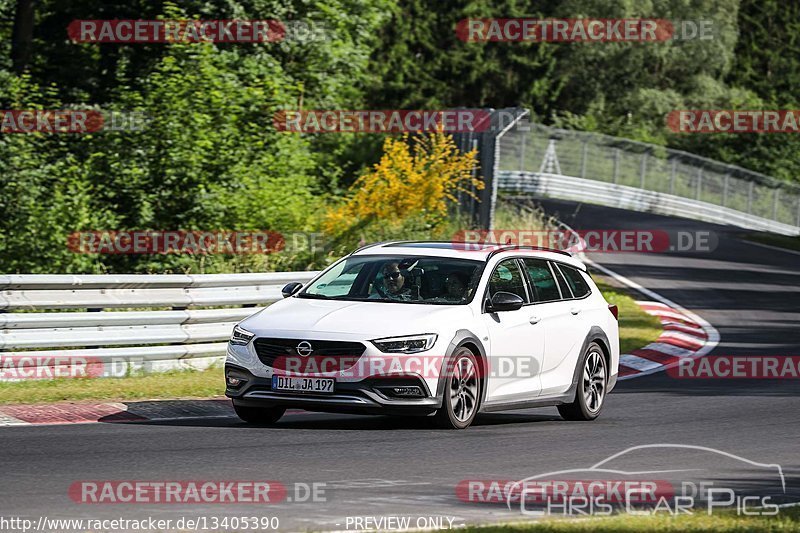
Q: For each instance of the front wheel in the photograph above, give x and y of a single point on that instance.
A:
(461, 391)
(259, 415)
(591, 390)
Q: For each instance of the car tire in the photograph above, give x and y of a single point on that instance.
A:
(590, 392)
(462, 391)
(259, 415)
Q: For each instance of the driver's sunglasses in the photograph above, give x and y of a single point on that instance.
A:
(393, 275)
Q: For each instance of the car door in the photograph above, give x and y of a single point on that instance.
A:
(516, 344)
(558, 317)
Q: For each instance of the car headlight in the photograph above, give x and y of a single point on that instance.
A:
(241, 337)
(408, 344)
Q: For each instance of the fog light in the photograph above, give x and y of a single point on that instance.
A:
(407, 391)
(234, 382)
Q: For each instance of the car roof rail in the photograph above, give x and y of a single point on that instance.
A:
(509, 247)
(499, 247)
(371, 245)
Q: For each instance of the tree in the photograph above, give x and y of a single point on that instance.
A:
(22, 38)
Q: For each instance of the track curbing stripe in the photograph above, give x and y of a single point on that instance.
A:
(672, 347)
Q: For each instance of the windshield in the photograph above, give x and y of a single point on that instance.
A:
(415, 279)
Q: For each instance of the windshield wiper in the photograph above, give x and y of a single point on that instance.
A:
(314, 296)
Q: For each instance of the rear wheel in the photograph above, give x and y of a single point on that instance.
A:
(591, 391)
(461, 391)
(259, 415)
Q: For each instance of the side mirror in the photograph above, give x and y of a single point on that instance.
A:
(291, 288)
(504, 301)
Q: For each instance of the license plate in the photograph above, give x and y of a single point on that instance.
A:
(293, 384)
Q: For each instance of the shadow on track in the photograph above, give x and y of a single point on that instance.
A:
(346, 422)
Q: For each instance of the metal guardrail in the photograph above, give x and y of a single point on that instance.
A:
(156, 322)
(590, 167)
(624, 197)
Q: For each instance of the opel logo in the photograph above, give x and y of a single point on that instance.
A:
(304, 349)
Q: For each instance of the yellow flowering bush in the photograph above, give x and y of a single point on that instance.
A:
(413, 185)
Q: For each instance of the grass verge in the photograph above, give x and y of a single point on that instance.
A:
(788, 519)
(172, 384)
(636, 329)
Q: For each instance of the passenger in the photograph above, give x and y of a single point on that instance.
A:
(456, 286)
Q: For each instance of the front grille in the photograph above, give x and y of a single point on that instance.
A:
(268, 350)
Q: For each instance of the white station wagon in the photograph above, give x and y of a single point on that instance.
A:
(432, 329)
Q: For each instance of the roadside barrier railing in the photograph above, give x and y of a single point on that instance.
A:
(554, 163)
(126, 323)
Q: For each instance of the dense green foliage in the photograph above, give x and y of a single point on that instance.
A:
(210, 158)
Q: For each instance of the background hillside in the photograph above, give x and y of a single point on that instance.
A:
(211, 158)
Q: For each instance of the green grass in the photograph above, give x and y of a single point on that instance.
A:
(173, 384)
(788, 519)
(781, 241)
(636, 329)
(512, 217)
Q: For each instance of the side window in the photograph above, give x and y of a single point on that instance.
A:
(562, 284)
(507, 277)
(542, 280)
(576, 281)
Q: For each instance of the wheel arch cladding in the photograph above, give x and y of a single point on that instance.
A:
(596, 335)
(466, 338)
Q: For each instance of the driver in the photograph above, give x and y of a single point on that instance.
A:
(394, 283)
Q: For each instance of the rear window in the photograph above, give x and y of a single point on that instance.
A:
(576, 281)
(544, 283)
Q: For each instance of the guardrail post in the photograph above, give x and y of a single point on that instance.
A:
(725, 190)
(616, 164)
(522, 152)
(775, 205)
(699, 182)
(672, 173)
(750, 198)
(583, 159)
(643, 169)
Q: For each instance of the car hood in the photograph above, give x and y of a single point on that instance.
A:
(359, 320)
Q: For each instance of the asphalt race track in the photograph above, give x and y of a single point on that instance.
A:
(375, 466)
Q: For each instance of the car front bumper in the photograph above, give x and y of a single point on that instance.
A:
(367, 396)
